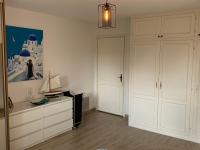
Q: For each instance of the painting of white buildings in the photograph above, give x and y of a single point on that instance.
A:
(24, 53)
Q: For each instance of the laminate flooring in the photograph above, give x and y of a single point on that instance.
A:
(101, 131)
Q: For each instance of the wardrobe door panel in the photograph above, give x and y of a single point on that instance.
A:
(178, 25)
(198, 26)
(147, 27)
(144, 112)
(145, 77)
(173, 116)
(175, 85)
(198, 92)
(198, 118)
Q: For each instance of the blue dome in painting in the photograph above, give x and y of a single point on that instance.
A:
(25, 53)
(32, 37)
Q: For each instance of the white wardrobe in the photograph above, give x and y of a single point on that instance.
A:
(164, 74)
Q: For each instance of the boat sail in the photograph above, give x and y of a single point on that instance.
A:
(51, 86)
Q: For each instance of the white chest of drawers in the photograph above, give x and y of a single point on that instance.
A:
(30, 125)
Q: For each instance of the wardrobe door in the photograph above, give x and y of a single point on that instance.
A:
(147, 27)
(198, 27)
(175, 86)
(178, 25)
(198, 92)
(145, 91)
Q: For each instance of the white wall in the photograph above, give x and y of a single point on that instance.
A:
(123, 28)
(2, 134)
(67, 51)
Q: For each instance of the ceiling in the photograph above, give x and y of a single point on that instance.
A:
(86, 10)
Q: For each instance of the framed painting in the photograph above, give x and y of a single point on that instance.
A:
(24, 54)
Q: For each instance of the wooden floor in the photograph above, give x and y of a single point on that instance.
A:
(104, 131)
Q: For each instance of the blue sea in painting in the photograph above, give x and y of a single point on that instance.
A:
(15, 37)
(24, 53)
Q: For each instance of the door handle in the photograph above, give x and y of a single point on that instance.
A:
(160, 85)
(121, 78)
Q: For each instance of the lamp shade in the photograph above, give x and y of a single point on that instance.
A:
(107, 16)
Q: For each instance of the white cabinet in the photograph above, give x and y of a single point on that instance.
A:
(58, 129)
(27, 141)
(31, 125)
(198, 81)
(23, 130)
(147, 27)
(175, 86)
(23, 118)
(165, 74)
(165, 26)
(198, 93)
(54, 109)
(161, 85)
(2, 134)
(198, 26)
(146, 71)
(198, 118)
(57, 119)
(26, 128)
(162, 74)
(182, 25)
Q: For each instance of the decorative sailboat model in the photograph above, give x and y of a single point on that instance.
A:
(52, 86)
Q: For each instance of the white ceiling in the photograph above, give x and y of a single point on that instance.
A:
(86, 10)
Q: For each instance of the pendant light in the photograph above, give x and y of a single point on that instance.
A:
(107, 15)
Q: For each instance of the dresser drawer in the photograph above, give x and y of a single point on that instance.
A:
(26, 129)
(56, 108)
(25, 117)
(58, 129)
(57, 118)
(27, 141)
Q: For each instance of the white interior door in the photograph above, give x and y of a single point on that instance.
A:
(175, 86)
(145, 84)
(110, 75)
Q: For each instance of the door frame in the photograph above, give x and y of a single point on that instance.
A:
(5, 83)
(124, 36)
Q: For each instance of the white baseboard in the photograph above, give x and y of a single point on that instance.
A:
(191, 138)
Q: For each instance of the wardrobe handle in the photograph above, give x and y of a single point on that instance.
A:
(158, 36)
(121, 78)
(161, 36)
(199, 34)
(160, 85)
(156, 84)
